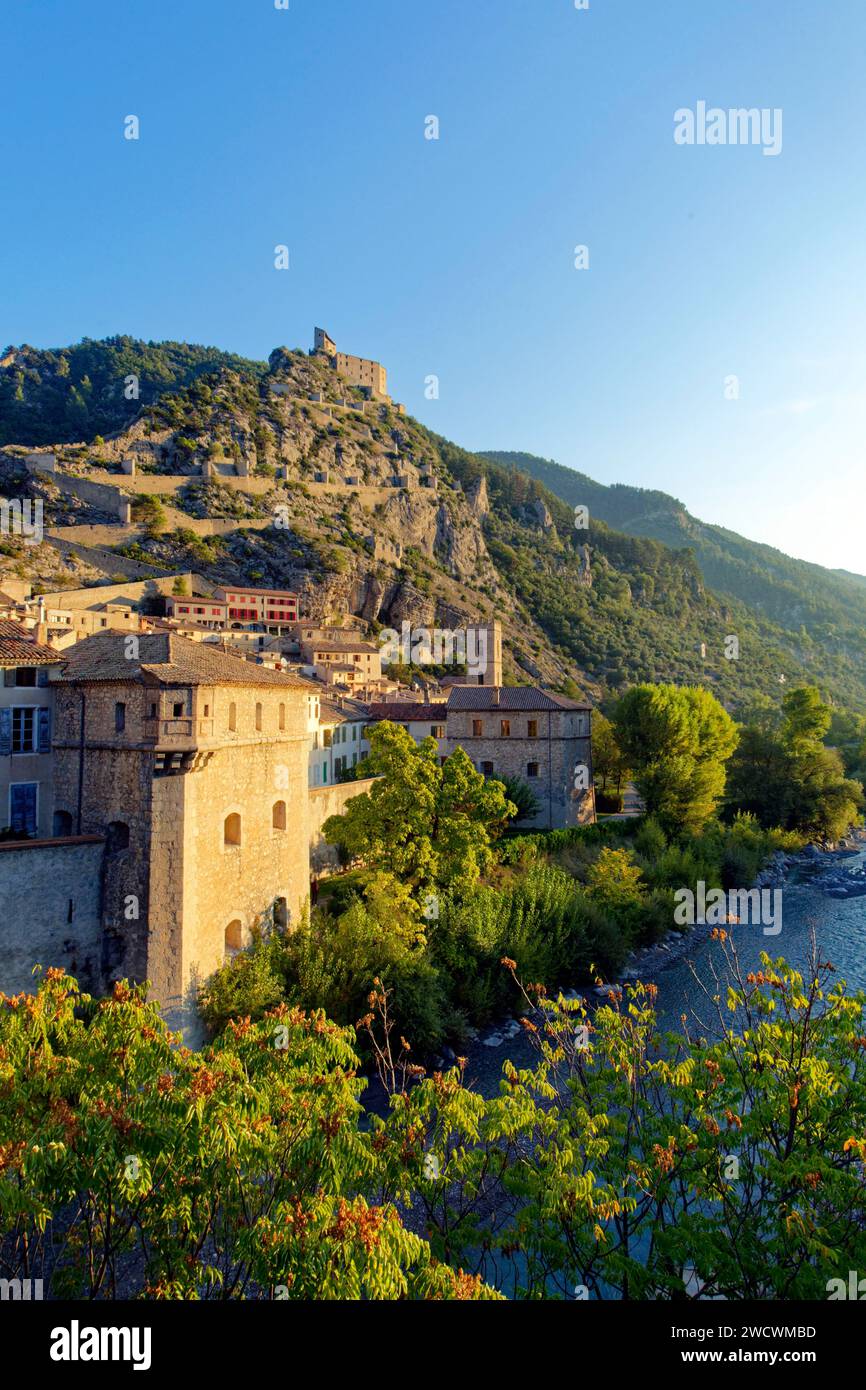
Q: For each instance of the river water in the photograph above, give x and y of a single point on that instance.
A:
(837, 927)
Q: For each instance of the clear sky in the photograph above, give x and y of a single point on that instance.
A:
(455, 257)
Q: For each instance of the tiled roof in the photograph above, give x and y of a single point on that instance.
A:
(504, 697)
(246, 589)
(349, 646)
(403, 712)
(17, 647)
(167, 658)
(350, 710)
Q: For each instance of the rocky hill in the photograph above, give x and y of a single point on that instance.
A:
(281, 474)
(807, 601)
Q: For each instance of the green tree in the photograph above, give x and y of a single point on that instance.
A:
(614, 880)
(609, 765)
(521, 796)
(805, 719)
(428, 824)
(677, 740)
(783, 774)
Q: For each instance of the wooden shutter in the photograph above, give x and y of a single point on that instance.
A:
(44, 733)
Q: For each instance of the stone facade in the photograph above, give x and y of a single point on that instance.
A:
(51, 910)
(195, 770)
(541, 738)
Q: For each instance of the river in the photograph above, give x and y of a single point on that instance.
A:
(838, 927)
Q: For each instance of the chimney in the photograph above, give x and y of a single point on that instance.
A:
(496, 695)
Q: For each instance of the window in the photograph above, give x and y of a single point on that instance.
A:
(505, 728)
(233, 716)
(153, 711)
(23, 802)
(234, 938)
(477, 728)
(119, 717)
(258, 717)
(116, 837)
(532, 769)
(206, 711)
(177, 709)
(437, 730)
(327, 738)
(25, 676)
(487, 769)
(532, 728)
(23, 730)
(232, 830)
(278, 815)
(62, 824)
(282, 719)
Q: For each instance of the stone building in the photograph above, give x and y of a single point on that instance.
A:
(26, 703)
(358, 371)
(532, 734)
(348, 653)
(193, 766)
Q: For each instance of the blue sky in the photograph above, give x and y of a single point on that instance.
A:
(455, 257)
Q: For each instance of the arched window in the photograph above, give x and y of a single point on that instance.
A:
(232, 829)
(62, 824)
(234, 939)
(278, 816)
(233, 716)
(116, 837)
(282, 716)
(259, 717)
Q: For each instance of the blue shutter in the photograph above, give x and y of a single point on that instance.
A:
(42, 675)
(5, 732)
(44, 736)
(23, 807)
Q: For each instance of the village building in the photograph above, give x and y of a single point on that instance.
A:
(339, 741)
(539, 737)
(275, 610)
(418, 719)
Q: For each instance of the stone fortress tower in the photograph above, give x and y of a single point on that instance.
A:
(358, 371)
(193, 765)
